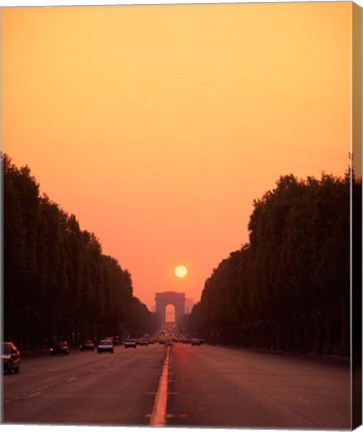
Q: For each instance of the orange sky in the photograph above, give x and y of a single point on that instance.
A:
(157, 126)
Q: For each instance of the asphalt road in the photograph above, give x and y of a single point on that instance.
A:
(85, 388)
(207, 386)
(226, 387)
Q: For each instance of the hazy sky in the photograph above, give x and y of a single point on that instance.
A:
(157, 126)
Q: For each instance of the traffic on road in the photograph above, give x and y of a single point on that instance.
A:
(170, 381)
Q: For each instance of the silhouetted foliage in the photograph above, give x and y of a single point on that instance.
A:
(57, 282)
(289, 287)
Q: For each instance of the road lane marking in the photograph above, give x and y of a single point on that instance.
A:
(158, 416)
(34, 395)
(183, 416)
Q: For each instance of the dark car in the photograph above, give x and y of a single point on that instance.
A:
(105, 345)
(61, 347)
(87, 345)
(130, 343)
(115, 340)
(10, 358)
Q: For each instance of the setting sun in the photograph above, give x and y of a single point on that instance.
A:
(181, 271)
(178, 179)
(187, 113)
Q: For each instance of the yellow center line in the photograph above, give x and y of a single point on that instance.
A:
(158, 417)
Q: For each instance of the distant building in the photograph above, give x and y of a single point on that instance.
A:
(162, 300)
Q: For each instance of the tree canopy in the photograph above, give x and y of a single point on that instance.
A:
(57, 282)
(289, 286)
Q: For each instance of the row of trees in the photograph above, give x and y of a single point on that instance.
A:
(57, 282)
(289, 287)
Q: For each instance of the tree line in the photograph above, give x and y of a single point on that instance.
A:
(288, 288)
(56, 281)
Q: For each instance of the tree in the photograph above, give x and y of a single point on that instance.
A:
(289, 287)
(57, 282)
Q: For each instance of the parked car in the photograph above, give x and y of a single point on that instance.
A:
(61, 347)
(10, 358)
(195, 341)
(87, 345)
(105, 345)
(143, 341)
(130, 343)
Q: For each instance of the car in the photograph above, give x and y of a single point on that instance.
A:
(10, 358)
(195, 341)
(130, 343)
(113, 339)
(143, 341)
(116, 340)
(87, 345)
(61, 347)
(105, 345)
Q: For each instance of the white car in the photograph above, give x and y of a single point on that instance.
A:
(105, 345)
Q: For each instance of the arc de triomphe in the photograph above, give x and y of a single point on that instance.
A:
(163, 299)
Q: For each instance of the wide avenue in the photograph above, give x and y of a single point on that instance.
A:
(209, 386)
